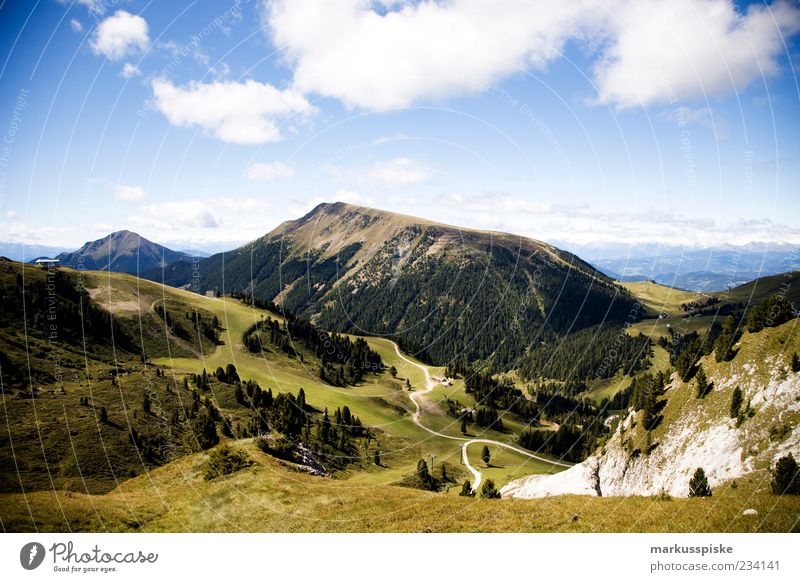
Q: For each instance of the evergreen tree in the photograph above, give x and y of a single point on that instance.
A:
(103, 415)
(422, 470)
(489, 491)
(466, 489)
(795, 363)
(464, 425)
(393, 372)
(698, 485)
(325, 428)
(736, 402)
(205, 430)
(723, 345)
(231, 375)
(146, 403)
(703, 386)
(485, 455)
(377, 457)
(786, 476)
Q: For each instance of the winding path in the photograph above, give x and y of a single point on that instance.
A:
(429, 385)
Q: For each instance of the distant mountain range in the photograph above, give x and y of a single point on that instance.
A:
(123, 251)
(26, 252)
(695, 269)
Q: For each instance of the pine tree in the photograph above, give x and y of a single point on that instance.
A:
(724, 343)
(422, 470)
(489, 491)
(795, 363)
(736, 402)
(786, 477)
(103, 415)
(466, 489)
(205, 430)
(146, 404)
(485, 455)
(698, 485)
(378, 457)
(703, 386)
(231, 374)
(464, 425)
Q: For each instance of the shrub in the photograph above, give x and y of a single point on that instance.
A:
(489, 491)
(225, 461)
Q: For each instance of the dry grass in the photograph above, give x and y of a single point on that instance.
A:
(272, 497)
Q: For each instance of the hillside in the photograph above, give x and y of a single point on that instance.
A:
(122, 251)
(659, 456)
(77, 398)
(442, 292)
(273, 496)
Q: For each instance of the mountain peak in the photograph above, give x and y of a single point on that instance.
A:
(123, 251)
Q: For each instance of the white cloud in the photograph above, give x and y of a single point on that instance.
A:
(689, 49)
(174, 215)
(267, 172)
(241, 113)
(208, 213)
(492, 203)
(130, 70)
(75, 25)
(96, 7)
(120, 35)
(10, 214)
(652, 50)
(398, 172)
(129, 193)
(351, 197)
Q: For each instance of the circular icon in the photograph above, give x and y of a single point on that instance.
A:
(31, 555)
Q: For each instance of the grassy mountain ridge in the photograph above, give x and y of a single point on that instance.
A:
(443, 292)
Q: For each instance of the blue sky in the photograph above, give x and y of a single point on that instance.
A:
(207, 124)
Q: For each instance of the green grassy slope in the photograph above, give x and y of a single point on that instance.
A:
(56, 441)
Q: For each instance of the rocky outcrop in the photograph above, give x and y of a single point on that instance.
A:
(700, 436)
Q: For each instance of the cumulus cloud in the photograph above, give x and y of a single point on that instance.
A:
(120, 35)
(240, 113)
(401, 52)
(398, 172)
(129, 193)
(130, 70)
(687, 49)
(181, 214)
(267, 172)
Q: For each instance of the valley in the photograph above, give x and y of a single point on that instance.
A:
(342, 378)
